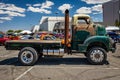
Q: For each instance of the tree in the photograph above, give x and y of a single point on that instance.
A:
(10, 31)
(18, 31)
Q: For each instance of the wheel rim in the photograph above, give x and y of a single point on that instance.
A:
(27, 57)
(97, 55)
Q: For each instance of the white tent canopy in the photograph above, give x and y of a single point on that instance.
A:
(26, 32)
(111, 28)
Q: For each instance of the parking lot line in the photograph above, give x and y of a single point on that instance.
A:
(107, 68)
(24, 73)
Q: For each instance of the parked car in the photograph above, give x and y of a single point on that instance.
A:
(37, 36)
(25, 37)
(114, 36)
(13, 37)
(3, 39)
(47, 37)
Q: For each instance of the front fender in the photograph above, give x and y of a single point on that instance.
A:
(101, 39)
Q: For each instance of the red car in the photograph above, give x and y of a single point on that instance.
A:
(3, 39)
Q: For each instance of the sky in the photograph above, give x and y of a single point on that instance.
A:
(23, 14)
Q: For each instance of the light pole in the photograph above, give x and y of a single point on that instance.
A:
(56, 16)
(119, 13)
(56, 22)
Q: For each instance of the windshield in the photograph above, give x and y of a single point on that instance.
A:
(83, 21)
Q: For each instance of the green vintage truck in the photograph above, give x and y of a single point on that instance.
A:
(87, 38)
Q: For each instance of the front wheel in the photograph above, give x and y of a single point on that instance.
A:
(28, 56)
(97, 56)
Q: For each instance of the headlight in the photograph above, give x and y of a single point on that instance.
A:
(111, 40)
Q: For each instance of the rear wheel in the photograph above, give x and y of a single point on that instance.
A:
(97, 56)
(28, 56)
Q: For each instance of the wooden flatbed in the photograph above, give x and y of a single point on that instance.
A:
(44, 44)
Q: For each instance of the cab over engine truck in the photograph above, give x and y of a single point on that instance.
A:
(87, 38)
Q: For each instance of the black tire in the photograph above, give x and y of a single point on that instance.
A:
(28, 56)
(97, 56)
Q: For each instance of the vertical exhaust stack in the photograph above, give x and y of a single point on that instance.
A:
(66, 27)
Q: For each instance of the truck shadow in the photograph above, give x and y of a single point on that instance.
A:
(58, 61)
(48, 61)
(9, 61)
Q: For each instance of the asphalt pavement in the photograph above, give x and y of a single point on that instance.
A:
(70, 67)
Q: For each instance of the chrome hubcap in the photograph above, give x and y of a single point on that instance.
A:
(97, 55)
(27, 57)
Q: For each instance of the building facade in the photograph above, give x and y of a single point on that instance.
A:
(111, 12)
(60, 27)
(48, 23)
(35, 28)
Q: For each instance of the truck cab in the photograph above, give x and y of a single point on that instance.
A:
(90, 39)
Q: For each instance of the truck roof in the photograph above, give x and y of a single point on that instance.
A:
(81, 16)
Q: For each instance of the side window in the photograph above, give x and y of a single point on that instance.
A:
(81, 21)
